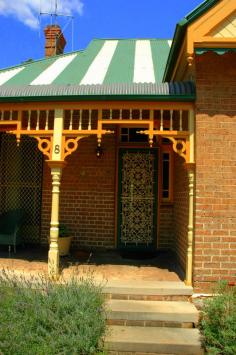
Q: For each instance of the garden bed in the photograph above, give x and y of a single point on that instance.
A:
(218, 323)
(40, 317)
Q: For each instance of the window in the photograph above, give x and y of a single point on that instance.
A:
(166, 189)
(165, 175)
(130, 135)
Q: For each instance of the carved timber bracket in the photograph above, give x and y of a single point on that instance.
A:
(66, 146)
(181, 147)
(45, 145)
(70, 145)
(179, 139)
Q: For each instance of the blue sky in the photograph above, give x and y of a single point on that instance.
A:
(21, 38)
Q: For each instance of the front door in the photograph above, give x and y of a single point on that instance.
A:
(137, 200)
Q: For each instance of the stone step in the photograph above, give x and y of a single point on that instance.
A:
(153, 340)
(152, 313)
(147, 290)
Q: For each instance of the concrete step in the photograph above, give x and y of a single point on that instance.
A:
(148, 290)
(153, 340)
(152, 313)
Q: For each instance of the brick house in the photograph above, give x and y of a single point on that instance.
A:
(136, 140)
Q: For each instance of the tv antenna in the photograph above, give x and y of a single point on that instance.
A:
(54, 15)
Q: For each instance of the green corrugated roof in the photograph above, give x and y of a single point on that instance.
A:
(106, 69)
(182, 91)
(32, 70)
(119, 68)
(122, 66)
(74, 73)
(107, 64)
(180, 31)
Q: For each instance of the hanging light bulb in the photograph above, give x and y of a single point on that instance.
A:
(99, 151)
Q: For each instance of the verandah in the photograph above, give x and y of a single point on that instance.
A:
(58, 129)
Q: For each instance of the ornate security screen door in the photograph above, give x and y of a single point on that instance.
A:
(137, 220)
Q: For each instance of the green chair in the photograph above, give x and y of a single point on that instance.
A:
(10, 223)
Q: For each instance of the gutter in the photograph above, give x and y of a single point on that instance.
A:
(161, 98)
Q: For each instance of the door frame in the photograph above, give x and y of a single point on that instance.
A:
(156, 152)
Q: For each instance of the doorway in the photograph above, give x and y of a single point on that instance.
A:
(137, 199)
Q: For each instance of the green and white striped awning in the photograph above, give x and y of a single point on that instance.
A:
(109, 67)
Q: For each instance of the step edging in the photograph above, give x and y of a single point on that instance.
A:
(157, 343)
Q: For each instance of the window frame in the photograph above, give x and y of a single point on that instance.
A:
(166, 148)
(129, 143)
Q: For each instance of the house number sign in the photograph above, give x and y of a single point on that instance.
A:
(57, 149)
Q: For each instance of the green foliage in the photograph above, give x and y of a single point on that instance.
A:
(218, 323)
(44, 318)
(63, 230)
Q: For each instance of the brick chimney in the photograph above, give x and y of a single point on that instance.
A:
(55, 40)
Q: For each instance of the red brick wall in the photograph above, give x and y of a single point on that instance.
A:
(180, 209)
(215, 232)
(87, 202)
(166, 239)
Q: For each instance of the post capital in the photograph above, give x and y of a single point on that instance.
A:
(59, 164)
(190, 166)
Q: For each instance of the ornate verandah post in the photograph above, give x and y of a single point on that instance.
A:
(189, 257)
(50, 144)
(183, 145)
(53, 254)
(190, 166)
(64, 143)
(56, 165)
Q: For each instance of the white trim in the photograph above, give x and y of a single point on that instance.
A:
(8, 74)
(143, 64)
(53, 71)
(170, 42)
(97, 71)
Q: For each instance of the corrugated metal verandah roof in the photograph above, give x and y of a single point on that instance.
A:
(107, 68)
(185, 90)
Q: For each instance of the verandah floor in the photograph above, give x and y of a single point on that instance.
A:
(109, 265)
